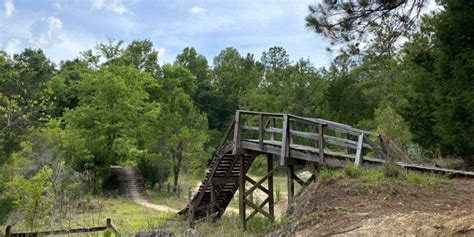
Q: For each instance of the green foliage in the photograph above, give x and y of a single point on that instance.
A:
(393, 125)
(352, 171)
(391, 170)
(103, 128)
(440, 95)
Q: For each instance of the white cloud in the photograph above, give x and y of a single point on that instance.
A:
(197, 10)
(57, 5)
(115, 6)
(9, 8)
(45, 31)
(13, 46)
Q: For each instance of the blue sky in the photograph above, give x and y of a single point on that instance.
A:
(63, 28)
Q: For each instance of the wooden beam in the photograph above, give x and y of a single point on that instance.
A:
(254, 212)
(224, 180)
(298, 180)
(260, 131)
(258, 184)
(358, 157)
(271, 202)
(321, 143)
(290, 182)
(237, 133)
(284, 141)
(257, 208)
(213, 198)
(242, 192)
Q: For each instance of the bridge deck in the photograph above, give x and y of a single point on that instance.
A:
(337, 159)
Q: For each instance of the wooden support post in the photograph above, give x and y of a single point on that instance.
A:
(284, 140)
(237, 134)
(348, 151)
(213, 198)
(191, 216)
(290, 127)
(8, 231)
(291, 184)
(260, 131)
(272, 125)
(242, 192)
(317, 132)
(358, 156)
(321, 143)
(271, 204)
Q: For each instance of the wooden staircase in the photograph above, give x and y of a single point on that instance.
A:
(222, 179)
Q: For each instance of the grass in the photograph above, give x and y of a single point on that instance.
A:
(387, 173)
(126, 215)
(229, 225)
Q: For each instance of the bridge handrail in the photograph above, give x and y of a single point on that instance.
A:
(287, 132)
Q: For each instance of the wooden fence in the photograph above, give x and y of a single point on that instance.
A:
(109, 226)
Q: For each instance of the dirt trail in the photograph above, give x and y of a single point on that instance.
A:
(134, 190)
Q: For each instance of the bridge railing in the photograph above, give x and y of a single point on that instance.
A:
(291, 130)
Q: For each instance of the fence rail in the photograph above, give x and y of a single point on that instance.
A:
(109, 226)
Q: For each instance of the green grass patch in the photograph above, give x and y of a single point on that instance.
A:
(387, 173)
(126, 215)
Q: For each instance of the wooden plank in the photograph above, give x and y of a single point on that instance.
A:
(321, 143)
(242, 193)
(213, 198)
(358, 156)
(290, 184)
(254, 212)
(224, 180)
(272, 124)
(298, 180)
(260, 130)
(237, 134)
(112, 227)
(60, 232)
(258, 184)
(271, 204)
(262, 113)
(257, 208)
(290, 134)
(284, 141)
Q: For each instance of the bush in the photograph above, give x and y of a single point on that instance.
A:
(390, 123)
(352, 171)
(391, 170)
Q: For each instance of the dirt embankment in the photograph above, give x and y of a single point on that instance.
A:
(348, 207)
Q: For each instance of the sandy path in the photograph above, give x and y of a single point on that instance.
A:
(136, 192)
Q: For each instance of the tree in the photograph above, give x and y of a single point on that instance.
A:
(24, 99)
(183, 130)
(351, 22)
(103, 129)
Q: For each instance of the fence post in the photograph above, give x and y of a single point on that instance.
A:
(358, 156)
(191, 216)
(8, 231)
(321, 143)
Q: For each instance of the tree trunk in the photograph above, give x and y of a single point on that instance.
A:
(177, 168)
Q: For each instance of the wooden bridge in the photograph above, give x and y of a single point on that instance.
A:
(295, 140)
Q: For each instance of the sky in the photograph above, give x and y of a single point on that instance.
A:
(63, 28)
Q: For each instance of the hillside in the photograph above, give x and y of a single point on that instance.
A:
(367, 203)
